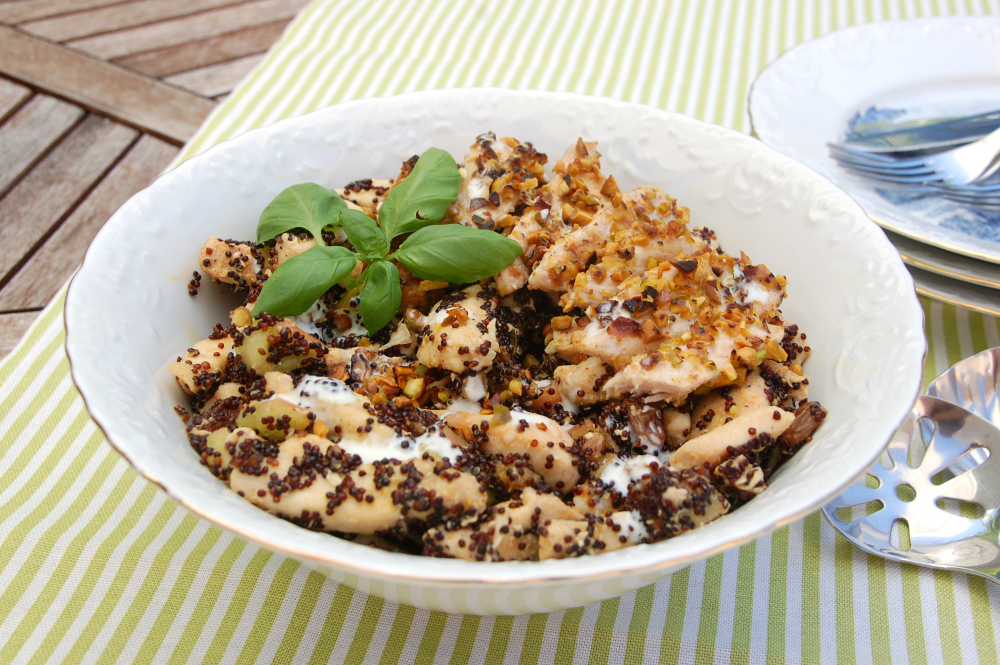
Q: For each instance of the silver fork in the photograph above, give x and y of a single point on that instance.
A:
(958, 168)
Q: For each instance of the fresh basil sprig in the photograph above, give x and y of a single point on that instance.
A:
(456, 254)
(307, 206)
(449, 252)
(423, 197)
(380, 295)
(300, 281)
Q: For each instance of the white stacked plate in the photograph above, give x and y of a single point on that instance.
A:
(898, 71)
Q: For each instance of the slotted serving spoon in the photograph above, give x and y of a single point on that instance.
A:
(955, 421)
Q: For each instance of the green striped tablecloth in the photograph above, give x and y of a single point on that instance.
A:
(99, 566)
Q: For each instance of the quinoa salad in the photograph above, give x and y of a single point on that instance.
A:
(494, 361)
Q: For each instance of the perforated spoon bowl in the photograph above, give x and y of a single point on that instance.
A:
(961, 462)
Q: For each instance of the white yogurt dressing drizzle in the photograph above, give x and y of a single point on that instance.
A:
(322, 395)
(475, 389)
(402, 446)
(308, 319)
(622, 473)
(472, 397)
(632, 525)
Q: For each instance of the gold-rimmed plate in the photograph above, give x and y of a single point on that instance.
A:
(891, 71)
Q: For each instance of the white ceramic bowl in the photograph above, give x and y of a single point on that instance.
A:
(128, 314)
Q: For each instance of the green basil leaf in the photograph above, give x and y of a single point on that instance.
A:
(456, 254)
(301, 280)
(364, 234)
(380, 296)
(423, 197)
(307, 206)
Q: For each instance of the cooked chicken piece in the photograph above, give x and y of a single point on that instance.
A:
(547, 445)
(571, 538)
(583, 384)
(615, 244)
(526, 232)
(694, 349)
(592, 498)
(578, 181)
(229, 262)
(417, 292)
(614, 344)
(225, 391)
(365, 195)
(656, 293)
(461, 332)
(672, 501)
(497, 177)
(278, 382)
(572, 198)
(344, 413)
(738, 477)
(678, 427)
(507, 531)
(672, 378)
(771, 384)
(312, 482)
(786, 381)
(201, 366)
(762, 427)
(288, 245)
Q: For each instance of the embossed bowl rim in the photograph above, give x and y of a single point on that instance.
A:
(91, 347)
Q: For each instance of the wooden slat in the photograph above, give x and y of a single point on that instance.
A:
(52, 189)
(30, 132)
(12, 96)
(175, 59)
(187, 29)
(216, 80)
(27, 10)
(12, 329)
(110, 90)
(49, 268)
(117, 17)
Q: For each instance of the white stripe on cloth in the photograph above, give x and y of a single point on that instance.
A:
(190, 602)
(55, 556)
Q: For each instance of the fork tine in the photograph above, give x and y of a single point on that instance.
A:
(838, 152)
(903, 179)
(888, 163)
(912, 170)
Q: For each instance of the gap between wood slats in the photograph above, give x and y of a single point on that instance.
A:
(48, 268)
(211, 51)
(30, 133)
(142, 102)
(12, 97)
(47, 194)
(187, 29)
(26, 10)
(12, 329)
(216, 80)
(117, 17)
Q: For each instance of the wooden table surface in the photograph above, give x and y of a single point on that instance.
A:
(96, 98)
